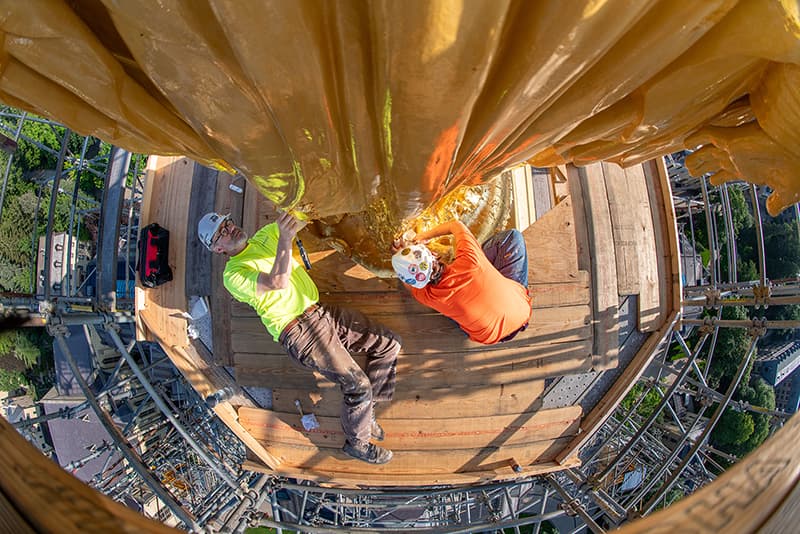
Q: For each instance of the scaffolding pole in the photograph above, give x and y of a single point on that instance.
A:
(130, 454)
(211, 462)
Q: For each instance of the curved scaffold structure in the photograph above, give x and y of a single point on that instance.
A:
(361, 115)
(372, 117)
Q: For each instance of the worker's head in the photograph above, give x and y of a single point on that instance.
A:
(220, 235)
(414, 265)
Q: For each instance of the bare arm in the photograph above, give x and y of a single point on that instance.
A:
(278, 277)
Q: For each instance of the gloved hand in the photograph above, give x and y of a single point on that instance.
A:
(407, 238)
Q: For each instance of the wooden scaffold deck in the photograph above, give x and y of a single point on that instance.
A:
(463, 412)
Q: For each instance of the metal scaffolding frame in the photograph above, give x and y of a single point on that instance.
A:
(635, 465)
(307, 508)
(173, 460)
(167, 454)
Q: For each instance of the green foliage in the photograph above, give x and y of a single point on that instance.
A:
(22, 345)
(26, 349)
(733, 428)
(28, 352)
(12, 380)
(138, 162)
(746, 270)
(90, 183)
(705, 257)
(740, 433)
(758, 393)
(741, 217)
(730, 350)
(31, 173)
(740, 211)
(648, 404)
(759, 435)
(676, 352)
(26, 360)
(781, 243)
(782, 313)
(62, 208)
(16, 228)
(29, 156)
(782, 250)
(629, 400)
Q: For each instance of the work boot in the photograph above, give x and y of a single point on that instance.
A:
(368, 452)
(377, 430)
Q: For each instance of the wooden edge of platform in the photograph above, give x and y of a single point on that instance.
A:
(38, 495)
(140, 297)
(606, 406)
(225, 411)
(670, 228)
(365, 481)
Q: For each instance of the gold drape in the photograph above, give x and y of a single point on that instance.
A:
(373, 110)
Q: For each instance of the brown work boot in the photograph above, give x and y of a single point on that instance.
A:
(368, 452)
(377, 430)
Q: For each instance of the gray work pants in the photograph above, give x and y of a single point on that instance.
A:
(322, 339)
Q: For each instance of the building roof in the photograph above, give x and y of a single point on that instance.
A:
(76, 438)
(81, 349)
(778, 361)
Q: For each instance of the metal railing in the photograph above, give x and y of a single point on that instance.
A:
(166, 453)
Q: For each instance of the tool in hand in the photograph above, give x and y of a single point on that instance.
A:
(303, 253)
(309, 420)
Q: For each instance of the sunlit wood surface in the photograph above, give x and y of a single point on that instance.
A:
(463, 412)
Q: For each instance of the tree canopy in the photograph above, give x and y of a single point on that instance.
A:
(781, 240)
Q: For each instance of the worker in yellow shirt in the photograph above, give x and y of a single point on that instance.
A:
(261, 272)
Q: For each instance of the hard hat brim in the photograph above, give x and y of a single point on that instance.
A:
(214, 229)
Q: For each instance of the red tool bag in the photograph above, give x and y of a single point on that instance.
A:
(153, 266)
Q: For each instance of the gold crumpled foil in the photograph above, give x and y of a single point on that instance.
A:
(364, 115)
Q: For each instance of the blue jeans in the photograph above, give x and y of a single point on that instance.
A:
(507, 252)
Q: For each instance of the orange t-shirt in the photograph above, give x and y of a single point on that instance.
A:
(472, 292)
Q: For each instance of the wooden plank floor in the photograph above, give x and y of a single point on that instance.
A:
(445, 381)
(462, 411)
(159, 310)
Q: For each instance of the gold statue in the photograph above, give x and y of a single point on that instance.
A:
(363, 115)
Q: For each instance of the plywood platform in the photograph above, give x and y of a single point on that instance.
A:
(462, 412)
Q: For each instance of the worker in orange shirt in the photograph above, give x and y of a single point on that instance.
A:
(484, 289)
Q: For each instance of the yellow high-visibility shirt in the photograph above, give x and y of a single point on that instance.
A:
(277, 307)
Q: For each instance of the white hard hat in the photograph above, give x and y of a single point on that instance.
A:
(208, 226)
(413, 265)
